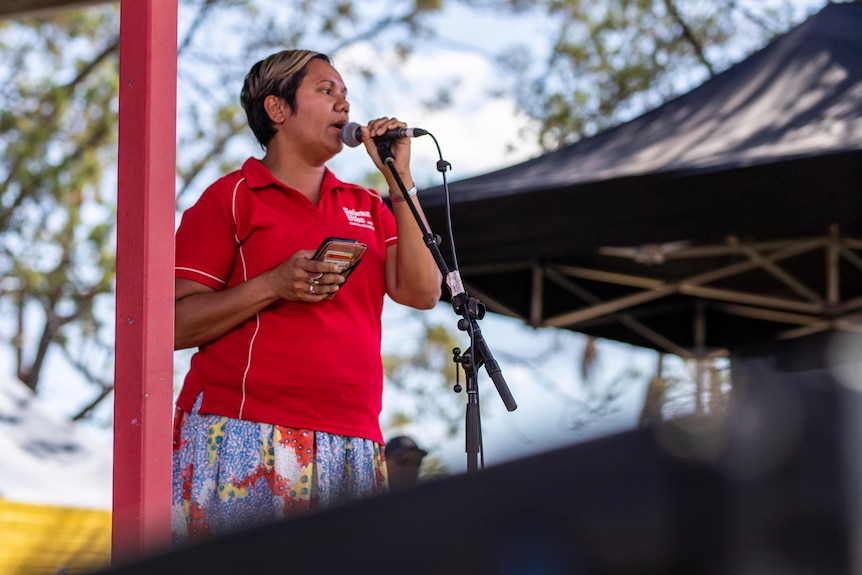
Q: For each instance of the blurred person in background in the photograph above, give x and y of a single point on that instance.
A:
(403, 461)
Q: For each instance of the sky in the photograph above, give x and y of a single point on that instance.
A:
(475, 136)
(478, 132)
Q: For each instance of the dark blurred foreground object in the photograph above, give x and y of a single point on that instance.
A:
(763, 490)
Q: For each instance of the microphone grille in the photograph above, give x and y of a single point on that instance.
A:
(350, 134)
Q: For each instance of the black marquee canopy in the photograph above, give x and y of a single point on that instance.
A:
(728, 216)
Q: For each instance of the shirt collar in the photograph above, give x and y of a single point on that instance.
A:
(257, 176)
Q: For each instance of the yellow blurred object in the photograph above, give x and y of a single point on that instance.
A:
(47, 539)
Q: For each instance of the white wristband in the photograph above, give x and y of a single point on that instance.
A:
(399, 198)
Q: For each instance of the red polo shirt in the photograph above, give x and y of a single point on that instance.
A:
(308, 365)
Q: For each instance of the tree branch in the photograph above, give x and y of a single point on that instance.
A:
(689, 35)
(85, 411)
(200, 18)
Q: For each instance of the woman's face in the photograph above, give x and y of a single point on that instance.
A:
(322, 110)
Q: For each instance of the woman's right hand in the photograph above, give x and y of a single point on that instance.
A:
(300, 278)
(203, 314)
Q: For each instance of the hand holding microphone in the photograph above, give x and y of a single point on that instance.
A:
(351, 134)
(392, 133)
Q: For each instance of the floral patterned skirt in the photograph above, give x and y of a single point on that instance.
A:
(230, 474)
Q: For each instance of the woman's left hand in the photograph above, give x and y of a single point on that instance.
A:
(400, 148)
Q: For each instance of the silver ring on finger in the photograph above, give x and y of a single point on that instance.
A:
(310, 287)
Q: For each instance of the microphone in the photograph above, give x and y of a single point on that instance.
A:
(351, 134)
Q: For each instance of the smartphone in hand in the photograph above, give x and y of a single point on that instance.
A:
(343, 252)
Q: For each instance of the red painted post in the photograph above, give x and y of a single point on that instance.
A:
(143, 369)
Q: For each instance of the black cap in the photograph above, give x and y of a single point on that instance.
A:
(400, 444)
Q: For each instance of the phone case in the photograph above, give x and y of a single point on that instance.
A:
(343, 252)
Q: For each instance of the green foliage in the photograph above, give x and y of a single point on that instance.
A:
(57, 129)
(613, 60)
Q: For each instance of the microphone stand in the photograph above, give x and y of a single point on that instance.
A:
(471, 310)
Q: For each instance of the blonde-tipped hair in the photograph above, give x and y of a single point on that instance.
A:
(280, 75)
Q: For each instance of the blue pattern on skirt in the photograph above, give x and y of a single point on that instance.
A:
(230, 474)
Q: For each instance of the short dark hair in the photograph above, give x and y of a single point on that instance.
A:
(280, 75)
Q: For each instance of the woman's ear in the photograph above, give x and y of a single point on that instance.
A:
(274, 107)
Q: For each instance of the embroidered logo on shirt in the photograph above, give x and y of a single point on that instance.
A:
(359, 218)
